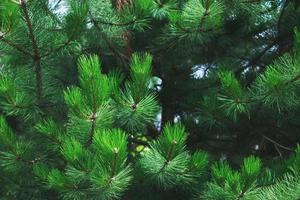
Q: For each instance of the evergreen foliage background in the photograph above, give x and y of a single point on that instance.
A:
(150, 99)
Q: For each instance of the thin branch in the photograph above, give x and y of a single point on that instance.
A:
(15, 46)
(60, 47)
(36, 54)
(57, 4)
(278, 151)
(110, 46)
(92, 131)
(251, 64)
(205, 15)
(257, 58)
(12, 44)
(114, 23)
(251, 1)
(276, 143)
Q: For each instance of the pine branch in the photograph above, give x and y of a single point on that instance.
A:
(251, 1)
(12, 44)
(252, 63)
(121, 56)
(114, 23)
(55, 50)
(205, 14)
(36, 53)
(284, 188)
(257, 58)
(92, 131)
(114, 162)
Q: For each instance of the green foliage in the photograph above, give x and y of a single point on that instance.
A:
(90, 107)
(162, 10)
(210, 111)
(297, 41)
(8, 138)
(232, 184)
(286, 188)
(95, 85)
(136, 104)
(168, 164)
(250, 171)
(14, 101)
(136, 16)
(101, 172)
(233, 99)
(50, 129)
(14, 151)
(277, 86)
(196, 22)
(76, 20)
(132, 114)
(103, 175)
(112, 188)
(229, 184)
(140, 75)
(172, 136)
(112, 146)
(116, 128)
(9, 15)
(72, 150)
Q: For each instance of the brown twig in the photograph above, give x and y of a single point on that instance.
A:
(277, 144)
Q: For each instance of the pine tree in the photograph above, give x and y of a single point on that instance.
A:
(149, 99)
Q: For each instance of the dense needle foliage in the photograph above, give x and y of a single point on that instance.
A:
(150, 99)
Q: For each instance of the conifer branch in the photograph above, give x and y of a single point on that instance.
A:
(114, 162)
(257, 58)
(92, 130)
(55, 50)
(252, 63)
(114, 23)
(12, 44)
(110, 45)
(36, 53)
(171, 151)
(169, 155)
(81, 151)
(205, 14)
